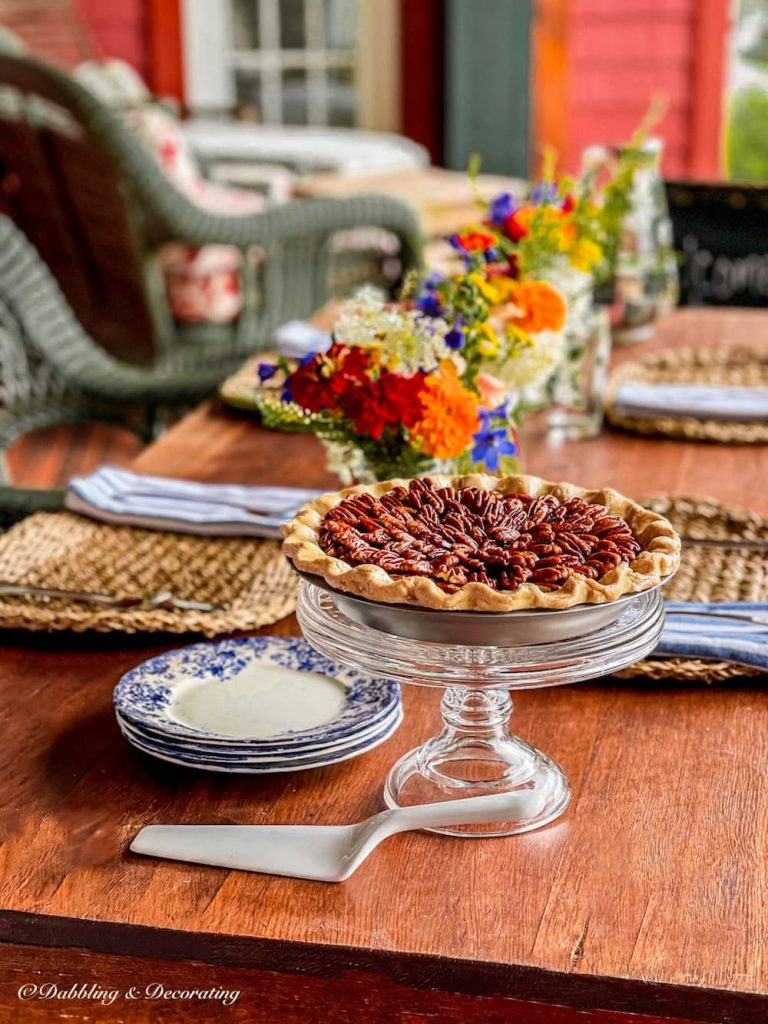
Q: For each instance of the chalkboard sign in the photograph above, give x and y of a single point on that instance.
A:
(721, 235)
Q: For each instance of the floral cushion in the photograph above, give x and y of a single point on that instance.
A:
(202, 284)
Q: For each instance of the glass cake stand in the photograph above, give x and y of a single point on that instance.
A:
(475, 754)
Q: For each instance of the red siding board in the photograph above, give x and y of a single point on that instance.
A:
(661, 43)
(120, 28)
(620, 10)
(622, 54)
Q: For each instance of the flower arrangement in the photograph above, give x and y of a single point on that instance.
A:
(401, 391)
(519, 307)
(447, 373)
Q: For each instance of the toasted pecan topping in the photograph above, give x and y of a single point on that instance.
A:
(468, 535)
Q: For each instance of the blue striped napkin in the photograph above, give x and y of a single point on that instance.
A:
(735, 632)
(184, 506)
(701, 401)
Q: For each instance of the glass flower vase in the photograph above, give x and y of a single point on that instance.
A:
(353, 465)
(645, 282)
(576, 410)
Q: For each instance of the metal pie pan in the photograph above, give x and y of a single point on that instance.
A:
(478, 629)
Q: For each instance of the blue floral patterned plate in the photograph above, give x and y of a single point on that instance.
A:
(259, 693)
(234, 748)
(246, 766)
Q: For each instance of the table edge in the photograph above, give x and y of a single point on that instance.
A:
(415, 970)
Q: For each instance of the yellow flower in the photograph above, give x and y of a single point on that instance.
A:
(521, 338)
(449, 414)
(504, 287)
(489, 345)
(487, 290)
(585, 253)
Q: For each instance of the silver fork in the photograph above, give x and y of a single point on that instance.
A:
(164, 599)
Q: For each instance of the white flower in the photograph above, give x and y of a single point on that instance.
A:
(407, 340)
(530, 366)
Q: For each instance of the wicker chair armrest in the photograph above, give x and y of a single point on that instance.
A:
(178, 219)
(31, 294)
(304, 218)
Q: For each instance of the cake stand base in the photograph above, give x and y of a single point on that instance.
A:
(476, 755)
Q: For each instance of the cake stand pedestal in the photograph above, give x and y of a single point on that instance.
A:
(475, 754)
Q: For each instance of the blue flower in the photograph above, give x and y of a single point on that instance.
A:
(491, 445)
(267, 370)
(501, 207)
(455, 338)
(501, 411)
(545, 192)
(429, 303)
(307, 359)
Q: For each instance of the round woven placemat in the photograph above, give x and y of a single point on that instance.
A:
(250, 579)
(242, 388)
(736, 366)
(709, 574)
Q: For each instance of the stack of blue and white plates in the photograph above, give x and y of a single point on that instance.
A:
(256, 705)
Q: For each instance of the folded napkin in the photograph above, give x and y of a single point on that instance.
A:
(298, 338)
(636, 400)
(159, 503)
(735, 632)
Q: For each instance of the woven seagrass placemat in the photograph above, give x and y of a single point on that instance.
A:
(715, 573)
(241, 388)
(737, 366)
(250, 580)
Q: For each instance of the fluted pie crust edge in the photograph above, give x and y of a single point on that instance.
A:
(659, 557)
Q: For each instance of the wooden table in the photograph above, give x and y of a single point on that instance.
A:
(647, 901)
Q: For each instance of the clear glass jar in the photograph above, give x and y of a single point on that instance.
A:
(576, 409)
(646, 280)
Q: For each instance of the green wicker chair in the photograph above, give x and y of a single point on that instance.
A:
(85, 330)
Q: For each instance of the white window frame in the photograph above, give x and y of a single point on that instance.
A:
(211, 60)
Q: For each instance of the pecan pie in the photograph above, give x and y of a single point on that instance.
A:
(482, 543)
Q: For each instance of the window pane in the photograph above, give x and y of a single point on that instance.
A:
(340, 24)
(342, 97)
(294, 97)
(245, 24)
(292, 25)
(248, 92)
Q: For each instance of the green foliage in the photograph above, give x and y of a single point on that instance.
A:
(746, 139)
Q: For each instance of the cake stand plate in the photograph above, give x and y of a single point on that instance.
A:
(475, 753)
(494, 629)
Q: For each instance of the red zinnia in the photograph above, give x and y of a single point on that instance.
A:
(320, 383)
(391, 401)
(475, 241)
(514, 229)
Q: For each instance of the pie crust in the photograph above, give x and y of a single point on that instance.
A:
(659, 555)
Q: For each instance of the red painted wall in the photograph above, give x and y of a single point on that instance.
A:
(620, 53)
(119, 28)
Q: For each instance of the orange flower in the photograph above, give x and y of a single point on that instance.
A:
(473, 240)
(449, 414)
(542, 307)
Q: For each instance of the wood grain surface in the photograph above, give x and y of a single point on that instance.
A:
(649, 897)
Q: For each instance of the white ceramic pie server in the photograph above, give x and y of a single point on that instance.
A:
(324, 853)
